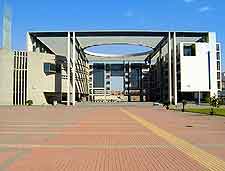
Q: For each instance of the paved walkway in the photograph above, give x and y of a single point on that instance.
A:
(106, 138)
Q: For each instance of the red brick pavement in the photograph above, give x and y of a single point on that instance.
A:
(207, 132)
(102, 138)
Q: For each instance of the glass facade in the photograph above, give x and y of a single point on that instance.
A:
(98, 75)
(135, 78)
(117, 69)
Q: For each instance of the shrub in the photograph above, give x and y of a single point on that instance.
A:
(166, 104)
(184, 102)
(29, 102)
(214, 102)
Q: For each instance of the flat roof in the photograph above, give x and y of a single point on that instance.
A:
(57, 40)
(96, 33)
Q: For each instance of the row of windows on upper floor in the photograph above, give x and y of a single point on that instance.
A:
(20, 53)
(190, 50)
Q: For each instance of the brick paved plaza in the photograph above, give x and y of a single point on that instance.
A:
(116, 138)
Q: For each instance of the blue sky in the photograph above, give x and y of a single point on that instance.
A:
(42, 15)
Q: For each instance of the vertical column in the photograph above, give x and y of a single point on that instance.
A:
(92, 80)
(19, 78)
(169, 70)
(124, 77)
(16, 78)
(129, 81)
(24, 77)
(73, 71)
(68, 69)
(212, 64)
(141, 83)
(160, 74)
(105, 82)
(199, 98)
(175, 67)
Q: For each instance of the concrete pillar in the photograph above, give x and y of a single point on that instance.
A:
(105, 82)
(213, 64)
(129, 81)
(141, 83)
(92, 76)
(68, 69)
(73, 71)
(169, 69)
(199, 98)
(175, 67)
(161, 75)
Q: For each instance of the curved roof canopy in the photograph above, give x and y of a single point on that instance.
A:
(57, 41)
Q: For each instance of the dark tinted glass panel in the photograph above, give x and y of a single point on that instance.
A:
(107, 67)
(217, 47)
(98, 75)
(135, 78)
(218, 55)
(218, 65)
(117, 69)
(218, 85)
(218, 75)
(49, 68)
(189, 50)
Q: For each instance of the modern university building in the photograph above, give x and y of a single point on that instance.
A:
(62, 67)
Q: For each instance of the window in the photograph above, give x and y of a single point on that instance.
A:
(135, 78)
(189, 50)
(218, 75)
(218, 85)
(58, 68)
(218, 47)
(98, 75)
(218, 65)
(42, 50)
(34, 49)
(107, 68)
(49, 68)
(218, 55)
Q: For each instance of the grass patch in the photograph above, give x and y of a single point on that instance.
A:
(217, 111)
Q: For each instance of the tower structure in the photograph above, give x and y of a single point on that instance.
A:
(7, 27)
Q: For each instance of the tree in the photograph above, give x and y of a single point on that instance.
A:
(214, 102)
(184, 102)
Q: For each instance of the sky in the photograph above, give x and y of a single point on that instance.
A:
(57, 15)
(118, 49)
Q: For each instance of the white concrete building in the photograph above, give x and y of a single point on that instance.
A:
(58, 66)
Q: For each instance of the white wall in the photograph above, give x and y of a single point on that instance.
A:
(6, 77)
(213, 63)
(194, 69)
(38, 81)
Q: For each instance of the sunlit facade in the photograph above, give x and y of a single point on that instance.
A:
(58, 68)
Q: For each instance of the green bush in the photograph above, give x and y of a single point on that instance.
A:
(184, 102)
(166, 104)
(214, 102)
(29, 102)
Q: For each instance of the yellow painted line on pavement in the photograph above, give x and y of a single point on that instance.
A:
(206, 159)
